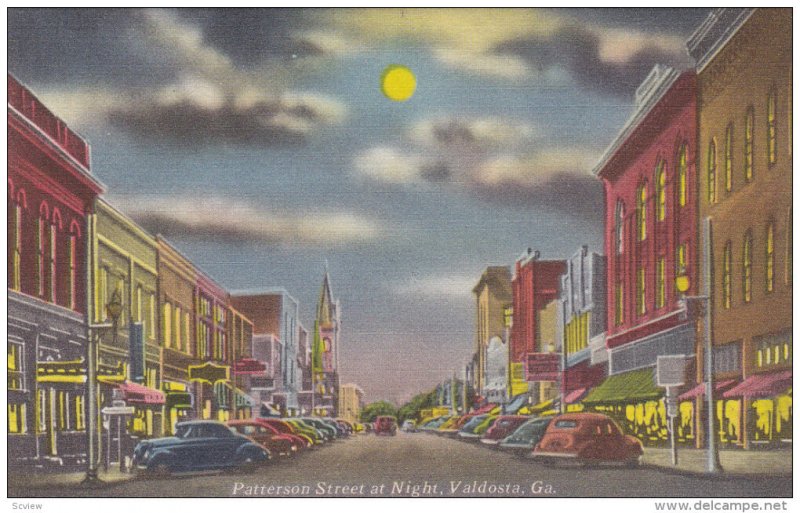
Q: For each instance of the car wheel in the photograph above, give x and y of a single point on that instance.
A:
(160, 469)
(247, 465)
(633, 462)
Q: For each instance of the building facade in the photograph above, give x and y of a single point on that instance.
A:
(51, 192)
(648, 174)
(351, 400)
(493, 299)
(744, 69)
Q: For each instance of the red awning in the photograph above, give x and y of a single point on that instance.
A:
(762, 385)
(701, 389)
(575, 395)
(136, 393)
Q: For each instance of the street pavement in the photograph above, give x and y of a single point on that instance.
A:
(424, 465)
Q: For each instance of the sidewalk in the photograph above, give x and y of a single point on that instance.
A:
(733, 462)
(74, 479)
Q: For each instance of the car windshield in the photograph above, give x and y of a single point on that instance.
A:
(182, 431)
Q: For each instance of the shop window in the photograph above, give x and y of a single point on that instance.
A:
(783, 417)
(726, 276)
(682, 165)
(748, 144)
(769, 262)
(747, 267)
(729, 158)
(764, 416)
(17, 418)
(712, 172)
(661, 191)
(772, 146)
(41, 411)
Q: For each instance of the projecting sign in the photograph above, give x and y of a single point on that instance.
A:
(542, 367)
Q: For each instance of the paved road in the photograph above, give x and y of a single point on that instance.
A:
(427, 465)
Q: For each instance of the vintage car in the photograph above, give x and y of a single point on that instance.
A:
(199, 445)
(386, 425)
(409, 426)
(276, 444)
(280, 427)
(467, 431)
(524, 438)
(587, 438)
(502, 427)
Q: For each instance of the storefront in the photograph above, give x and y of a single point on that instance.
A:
(177, 405)
(691, 414)
(764, 403)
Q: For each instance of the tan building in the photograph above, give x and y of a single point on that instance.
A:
(744, 66)
(350, 400)
(547, 335)
(493, 302)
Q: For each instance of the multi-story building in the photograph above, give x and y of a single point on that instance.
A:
(492, 301)
(177, 277)
(274, 314)
(325, 351)
(240, 347)
(124, 270)
(534, 284)
(582, 325)
(351, 399)
(50, 193)
(304, 370)
(648, 173)
(744, 77)
(212, 378)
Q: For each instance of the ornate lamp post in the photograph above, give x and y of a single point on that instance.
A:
(113, 310)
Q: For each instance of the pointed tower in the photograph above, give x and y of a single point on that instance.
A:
(325, 358)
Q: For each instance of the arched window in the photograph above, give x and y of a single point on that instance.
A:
(712, 171)
(42, 237)
(772, 146)
(619, 232)
(726, 276)
(661, 281)
(661, 191)
(641, 212)
(747, 267)
(682, 164)
(72, 253)
(641, 292)
(769, 262)
(619, 303)
(54, 228)
(16, 209)
(729, 158)
(748, 144)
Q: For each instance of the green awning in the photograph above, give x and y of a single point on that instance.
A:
(633, 386)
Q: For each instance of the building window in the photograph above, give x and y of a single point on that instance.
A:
(102, 295)
(15, 243)
(641, 212)
(151, 315)
(661, 191)
(187, 332)
(729, 158)
(167, 325)
(726, 276)
(661, 293)
(748, 144)
(712, 171)
(41, 224)
(72, 279)
(772, 146)
(770, 258)
(16, 371)
(16, 418)
(641, 293)
(619, 232)
(139, 305)
(52, 260)
(747, 267)
(508, 316)
(682, 176)
(774, 351)
(680, 260)
(176, 322)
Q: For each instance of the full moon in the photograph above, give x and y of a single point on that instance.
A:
(398, 83)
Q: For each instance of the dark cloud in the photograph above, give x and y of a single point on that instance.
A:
(578, 50)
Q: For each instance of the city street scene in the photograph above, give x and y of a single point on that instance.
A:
(417, 253)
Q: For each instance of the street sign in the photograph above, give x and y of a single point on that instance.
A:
(670, 370)
(117, 410)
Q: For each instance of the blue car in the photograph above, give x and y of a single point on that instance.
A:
(199, 445)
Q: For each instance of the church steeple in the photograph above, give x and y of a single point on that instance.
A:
(325, 306)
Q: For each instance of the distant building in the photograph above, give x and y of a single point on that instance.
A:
(351, 400)
(493, 299)
(325, 351)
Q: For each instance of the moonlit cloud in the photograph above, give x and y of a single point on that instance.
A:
(233, 221)
(489, 65)
(480, 133)
(437, 286)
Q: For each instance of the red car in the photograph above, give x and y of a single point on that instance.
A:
(281, 427)
(276, 443)
(587, 438)
(386, 425)
(502, 427)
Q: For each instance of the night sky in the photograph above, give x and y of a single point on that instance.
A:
(259, 142)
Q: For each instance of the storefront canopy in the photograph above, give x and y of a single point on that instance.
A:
(574, 396)
(700, 389)
(630, 386)
(543, 406)
(762, 385)
(140, 394)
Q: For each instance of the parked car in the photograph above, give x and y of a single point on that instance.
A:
(467, 431)
(448, 425)
(587, 438)
(285, 428)
(502, 427)
(409, 426)
(318, 436)
(386, 425)
(484, 426)
(524, 438)
(275, 443)
(199, 445)
(434, 424)
(329, 431)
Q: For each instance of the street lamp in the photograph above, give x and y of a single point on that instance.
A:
(113, 309)
(682, 283)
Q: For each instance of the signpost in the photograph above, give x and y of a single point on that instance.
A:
(671, 373)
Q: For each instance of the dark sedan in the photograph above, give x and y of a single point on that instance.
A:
(197, 446)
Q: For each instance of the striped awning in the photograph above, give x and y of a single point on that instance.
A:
(633, 386)
(762, 385)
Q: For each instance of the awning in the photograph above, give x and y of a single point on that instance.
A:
(136, 393)
(700, 389)
(762, 385)
(635, 385)
(575, 396)
(485, 409)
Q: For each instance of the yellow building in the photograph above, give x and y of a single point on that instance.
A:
(493, 301)
(350, 401)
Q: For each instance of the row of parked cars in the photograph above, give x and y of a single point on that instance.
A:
(582, 437)
(202, 445)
